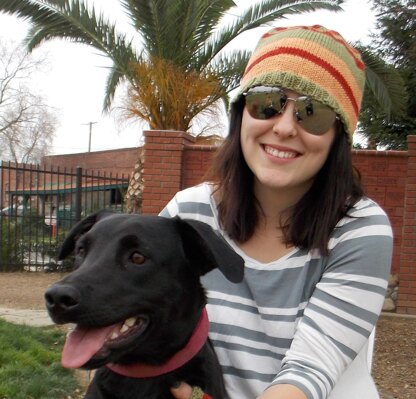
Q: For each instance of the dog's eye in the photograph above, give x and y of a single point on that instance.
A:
(137, 258)
(80, 251)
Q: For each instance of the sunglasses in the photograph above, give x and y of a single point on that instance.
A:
(265, 102)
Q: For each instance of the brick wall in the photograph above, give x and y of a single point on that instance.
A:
(197, 159)
(407, 291)
(384, 175)
(389, 178)
(120, 161)
(162, 169)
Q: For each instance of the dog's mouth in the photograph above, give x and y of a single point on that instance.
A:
(95, 344)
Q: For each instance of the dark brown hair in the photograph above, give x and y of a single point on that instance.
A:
(336, 188)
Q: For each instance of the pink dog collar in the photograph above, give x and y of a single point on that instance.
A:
(194, 345)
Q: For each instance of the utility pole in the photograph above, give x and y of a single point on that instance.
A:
(90, 134)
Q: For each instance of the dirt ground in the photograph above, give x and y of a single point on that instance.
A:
(394, 366)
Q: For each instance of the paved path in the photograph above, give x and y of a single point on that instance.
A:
(35, 318)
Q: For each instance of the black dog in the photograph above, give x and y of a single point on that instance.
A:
(138, 304)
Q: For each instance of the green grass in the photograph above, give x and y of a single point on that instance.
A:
(30, 363)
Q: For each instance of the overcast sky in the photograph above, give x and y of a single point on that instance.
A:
(75, 81)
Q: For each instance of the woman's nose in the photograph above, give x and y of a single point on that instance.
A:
(286, 124)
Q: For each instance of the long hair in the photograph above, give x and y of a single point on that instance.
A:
(335, 189)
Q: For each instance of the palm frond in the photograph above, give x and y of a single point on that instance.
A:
(258, 15)
(229, 68)
(167, 97)
(268, 11)
(144, 17)
(113, 80)
(385, 83)
(72, 20)
(209, 17)
(175, 30)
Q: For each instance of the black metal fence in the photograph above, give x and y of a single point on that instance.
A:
(39, 206)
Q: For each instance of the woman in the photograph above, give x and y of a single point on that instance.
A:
(284, 194)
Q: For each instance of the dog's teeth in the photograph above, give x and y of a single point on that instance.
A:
(124, 328)
(128, 324)
(114, 335)
(131, 322)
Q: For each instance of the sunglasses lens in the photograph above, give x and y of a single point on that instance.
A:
(313, 116)
(264, 105)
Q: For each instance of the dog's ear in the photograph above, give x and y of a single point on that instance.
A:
(79, 229)
(207, 250)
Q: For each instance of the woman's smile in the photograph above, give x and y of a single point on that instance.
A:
(280, 153)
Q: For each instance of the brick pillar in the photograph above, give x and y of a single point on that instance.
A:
(407, 289)
(162, 168)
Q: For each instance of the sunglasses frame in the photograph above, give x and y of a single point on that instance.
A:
(301, 99)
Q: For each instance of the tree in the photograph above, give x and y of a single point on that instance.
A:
(27, 124)
(395, 43)
(182, 70)
(182, 38)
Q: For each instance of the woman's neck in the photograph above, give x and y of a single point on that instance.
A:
(268, 243)
(276, 203)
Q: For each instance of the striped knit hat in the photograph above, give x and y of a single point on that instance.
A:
(313, 61)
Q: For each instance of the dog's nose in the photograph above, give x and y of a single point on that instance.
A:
(62, 298)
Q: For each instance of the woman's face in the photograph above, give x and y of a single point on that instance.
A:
(280, 153)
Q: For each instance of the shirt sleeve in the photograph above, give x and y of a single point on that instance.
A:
(345, 305)
(192, 203)
(171, 209)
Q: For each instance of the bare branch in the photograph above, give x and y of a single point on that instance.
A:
(27, 124)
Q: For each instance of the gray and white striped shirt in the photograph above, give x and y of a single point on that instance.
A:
(303, 319)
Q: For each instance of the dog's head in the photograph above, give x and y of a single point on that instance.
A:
(136, 286)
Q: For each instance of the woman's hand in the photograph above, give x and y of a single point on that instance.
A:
(185, 391)
(282, 391)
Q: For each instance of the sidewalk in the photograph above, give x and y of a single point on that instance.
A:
(35, 318)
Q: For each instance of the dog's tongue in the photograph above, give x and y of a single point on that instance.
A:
(83, 343)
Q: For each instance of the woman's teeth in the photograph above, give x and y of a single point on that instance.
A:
(279, 154)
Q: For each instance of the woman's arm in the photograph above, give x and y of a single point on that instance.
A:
(345, 305)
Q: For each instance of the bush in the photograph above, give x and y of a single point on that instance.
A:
(10, 256)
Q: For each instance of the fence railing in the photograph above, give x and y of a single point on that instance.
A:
(39, 206)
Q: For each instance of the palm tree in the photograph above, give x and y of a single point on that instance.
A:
(180, 38)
